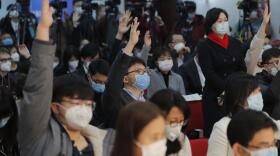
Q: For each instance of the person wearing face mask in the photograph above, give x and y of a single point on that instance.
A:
(72, 22)
(8, 124)
(89, 53)
(140, 131)
(69, 61)
(219, 56)
(98, 76)
(252, 133)
(53, 116)
(163, 77)
(268, 78)
(182, 52)
(242, 92)
(191, 25)
(7, 79)
(128, 79)
(177, 113)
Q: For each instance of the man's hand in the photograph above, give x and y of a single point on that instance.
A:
(24, 51)
(148, 39)
(123, 24)
(266, 15)
(45, 22)
(134, 37)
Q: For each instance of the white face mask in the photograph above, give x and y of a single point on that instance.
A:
(255, 102)
(73, 65)
(15, 57)
(155, 149)
(4, 121)
(173, 132)
(221, 28)
(78, 117)
(272, 151)
(6, 66)
(13, 14)
(179, 46)
(165, 65)
(273, 71)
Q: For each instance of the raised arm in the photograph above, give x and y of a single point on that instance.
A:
(111, 98)
(257, 43)
(35, 107)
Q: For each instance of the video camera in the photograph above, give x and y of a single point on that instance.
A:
(59, 6)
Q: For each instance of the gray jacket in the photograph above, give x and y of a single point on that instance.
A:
(39, 133)
(157, 81)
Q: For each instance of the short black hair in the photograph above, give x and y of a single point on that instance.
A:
(99, 66)
(90, 50)
(166, 99)
(135, 60)
(4, 50)
(71, 86)
(238, 88)
(269, 54)
(245, 124)
(161, 51)
(211, 17)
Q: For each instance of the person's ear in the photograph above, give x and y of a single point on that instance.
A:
(125, 79)
(55, 107)
(238, 150)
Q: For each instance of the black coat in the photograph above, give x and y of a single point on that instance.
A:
(114, 97)
(217, 63)
(190, 75)
(270, 90)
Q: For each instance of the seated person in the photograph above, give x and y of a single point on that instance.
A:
(252, 133)
(193, 77)
(52, 119)
(163, 77)
(98, 76)
(176, 113)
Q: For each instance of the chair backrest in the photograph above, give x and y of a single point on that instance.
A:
(199, 147)
(197, 120)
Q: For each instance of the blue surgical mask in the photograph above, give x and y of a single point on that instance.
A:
(272, 151)
(99, 88)
(8, 42)
(255, 102)
(142, 81)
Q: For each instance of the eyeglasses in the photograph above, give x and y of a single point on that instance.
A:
(275, 144)
(6, 59)
(276, 62)
(139, 71)
(76, 102)
(175, 124)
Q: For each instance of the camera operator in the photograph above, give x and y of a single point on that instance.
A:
(21, 25)
(190, 24)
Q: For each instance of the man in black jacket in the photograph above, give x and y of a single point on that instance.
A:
(127, 80)
(193, 77)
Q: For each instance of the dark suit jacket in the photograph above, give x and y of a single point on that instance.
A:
(190, 75)
(114, 97)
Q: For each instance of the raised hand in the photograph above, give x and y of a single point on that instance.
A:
(23, 50)
(134, 33)
(147, 39)
(123, 22)
(266, 15)
(134, 37)
(45, 21)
